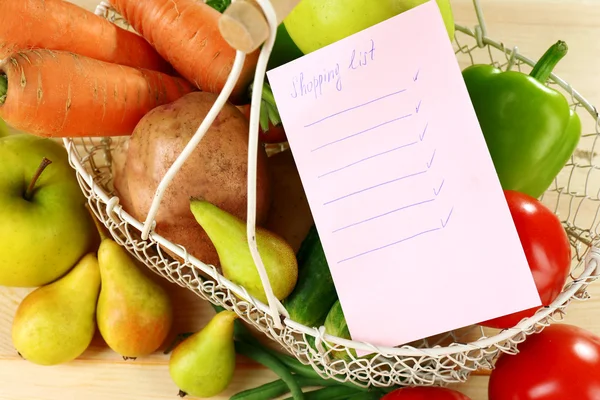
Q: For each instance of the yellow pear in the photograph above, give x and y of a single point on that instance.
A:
(55, 323)
(134, 313)
(228, 234)
(203, 364)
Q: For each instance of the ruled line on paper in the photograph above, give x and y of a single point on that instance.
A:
(361, 132)
(443, 225)
(374, 186)
(367, 158)
(384, 214)
(355, 107)
(390, 244)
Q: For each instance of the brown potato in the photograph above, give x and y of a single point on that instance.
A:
(119, 160)
(216, 170)
(290, 216)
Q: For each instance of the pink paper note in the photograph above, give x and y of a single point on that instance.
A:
(406, 200)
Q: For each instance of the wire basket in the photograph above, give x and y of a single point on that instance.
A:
(447, 358)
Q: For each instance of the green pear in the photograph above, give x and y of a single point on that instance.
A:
(228, 234)
(203, 364)
(45, 226)
(135, 314)
(55, 323)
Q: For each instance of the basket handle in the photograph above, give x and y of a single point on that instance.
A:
(275, 306)
(244, 26)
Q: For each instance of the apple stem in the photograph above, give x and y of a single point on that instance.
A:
(29, 192)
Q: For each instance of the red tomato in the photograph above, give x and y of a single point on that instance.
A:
(275, 134)
(560, 363)
(424, 393)
(547, 250)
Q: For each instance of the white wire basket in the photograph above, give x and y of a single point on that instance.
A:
(449, 358)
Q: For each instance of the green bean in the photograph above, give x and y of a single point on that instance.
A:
(296, 366)
(269, 390)
(274, 389)
(262, 357)
(337, 392)
(374, 395)
(307, 371)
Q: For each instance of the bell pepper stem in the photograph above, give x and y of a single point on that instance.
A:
(543, 68)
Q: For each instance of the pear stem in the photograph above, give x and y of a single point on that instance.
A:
(29, 192)
(181, 393)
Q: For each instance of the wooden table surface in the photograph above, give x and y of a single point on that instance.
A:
(100, 374)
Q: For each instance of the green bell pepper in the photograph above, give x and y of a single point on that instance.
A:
(529, 128)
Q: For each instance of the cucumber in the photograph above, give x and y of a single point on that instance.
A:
(315, 293)
(335, 325)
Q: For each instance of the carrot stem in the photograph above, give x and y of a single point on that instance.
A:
(3, 88)
(29, 192)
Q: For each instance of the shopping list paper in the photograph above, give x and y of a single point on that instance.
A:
(405, 197)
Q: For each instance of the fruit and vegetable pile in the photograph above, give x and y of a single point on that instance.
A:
(150, 90)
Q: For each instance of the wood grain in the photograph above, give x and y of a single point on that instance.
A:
(100, 374)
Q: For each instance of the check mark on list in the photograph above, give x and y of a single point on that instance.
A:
(397, 175)
(430, 162)
(422, 135)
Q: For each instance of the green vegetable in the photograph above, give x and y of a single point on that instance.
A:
(331, 393)
(335, 325)
(277, 388)
(529, 128)
(314, 293)
(262, 357)
(297, 367)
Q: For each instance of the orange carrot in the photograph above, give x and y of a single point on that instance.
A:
(61, 94)
(186, 34)
(60, 25)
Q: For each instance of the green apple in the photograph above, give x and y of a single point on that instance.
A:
(313, 24)
(45, 226)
